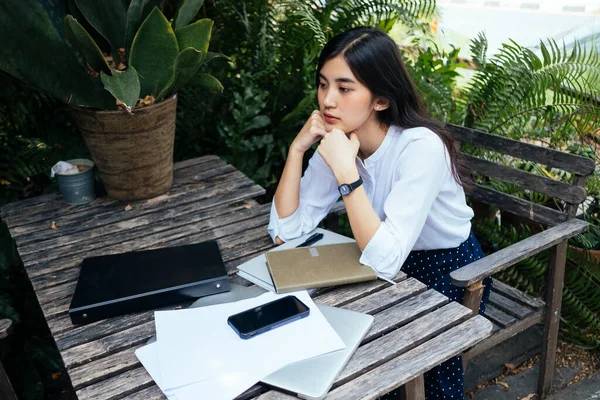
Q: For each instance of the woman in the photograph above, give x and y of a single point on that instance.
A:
(396, 169)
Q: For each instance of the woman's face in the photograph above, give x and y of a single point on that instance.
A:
(344, 102)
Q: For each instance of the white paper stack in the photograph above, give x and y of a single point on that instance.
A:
(197, 355)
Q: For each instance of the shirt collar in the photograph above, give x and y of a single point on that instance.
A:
(373, 158)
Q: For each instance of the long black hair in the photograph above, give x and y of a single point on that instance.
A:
(375, 60)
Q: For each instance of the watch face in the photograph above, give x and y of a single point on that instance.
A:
(344, 190)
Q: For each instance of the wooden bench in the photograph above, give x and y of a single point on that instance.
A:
(511, 310)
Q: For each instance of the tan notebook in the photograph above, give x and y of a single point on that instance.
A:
(315, 267)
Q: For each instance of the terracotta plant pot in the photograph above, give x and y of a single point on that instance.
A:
(132, 151)
(578, 252)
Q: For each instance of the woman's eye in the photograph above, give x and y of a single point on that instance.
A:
(344, 90)
(322, 85)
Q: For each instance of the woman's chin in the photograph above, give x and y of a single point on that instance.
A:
(334, 124)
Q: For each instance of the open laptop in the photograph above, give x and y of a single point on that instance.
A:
(312, 378)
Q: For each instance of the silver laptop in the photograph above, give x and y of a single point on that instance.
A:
(312, 378)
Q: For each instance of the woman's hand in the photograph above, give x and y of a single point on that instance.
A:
(339, 152)
(312, 131)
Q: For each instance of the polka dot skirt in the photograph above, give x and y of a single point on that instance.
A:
(433, 267)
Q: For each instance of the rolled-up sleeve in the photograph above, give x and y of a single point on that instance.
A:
(318, 193)
(422, 168)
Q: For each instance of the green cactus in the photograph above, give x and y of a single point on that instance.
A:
(150, 54)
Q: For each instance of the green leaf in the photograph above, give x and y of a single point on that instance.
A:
(187, 12)
(124, 86)
(108, 17)
(186, 66)
(260, 121)
(153, 53)
(210, 56)
(83, 42)
(207, 82)
(34, 52)
(196, 35)
(136, 13)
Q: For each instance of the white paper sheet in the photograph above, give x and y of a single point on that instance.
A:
(148, 358)
(225, 387)
(196, 345)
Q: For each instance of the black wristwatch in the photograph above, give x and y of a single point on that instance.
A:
(346, 188)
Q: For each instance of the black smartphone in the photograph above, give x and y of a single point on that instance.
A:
(268, 316)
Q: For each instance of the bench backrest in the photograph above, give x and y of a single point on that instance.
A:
(571, 194)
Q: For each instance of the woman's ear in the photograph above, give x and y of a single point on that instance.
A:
(381, 104)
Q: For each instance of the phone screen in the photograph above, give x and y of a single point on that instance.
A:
(255, 320)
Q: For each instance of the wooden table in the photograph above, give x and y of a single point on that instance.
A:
(414, 329)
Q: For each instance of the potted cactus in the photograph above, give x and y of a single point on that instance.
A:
(118, 64)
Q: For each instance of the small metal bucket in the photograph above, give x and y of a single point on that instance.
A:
(77, 188)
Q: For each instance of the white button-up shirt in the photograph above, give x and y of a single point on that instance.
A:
(410, 185)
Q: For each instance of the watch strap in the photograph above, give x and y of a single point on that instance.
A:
(356, 184)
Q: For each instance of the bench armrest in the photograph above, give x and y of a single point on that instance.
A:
(502, 259)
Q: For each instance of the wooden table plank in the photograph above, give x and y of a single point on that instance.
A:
(100, 212)
(97, 217)
(404, 368)
(22, 205)
(114, 219)
(41, 212)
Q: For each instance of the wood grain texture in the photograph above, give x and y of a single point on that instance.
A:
(21, 205)
(526, 151)
(570, 193)
(413, 331)
(500, 317)
(404, 368)
(472, 297)
(59, 208)
(415, 389)
(504, 334)
(107, 224)
(516, 295)
(554, 283)
(502, 259)
(508, 306)
(523, 208)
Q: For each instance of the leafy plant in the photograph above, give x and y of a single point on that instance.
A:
(111, 53)
(434, 72)
(274, 45)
